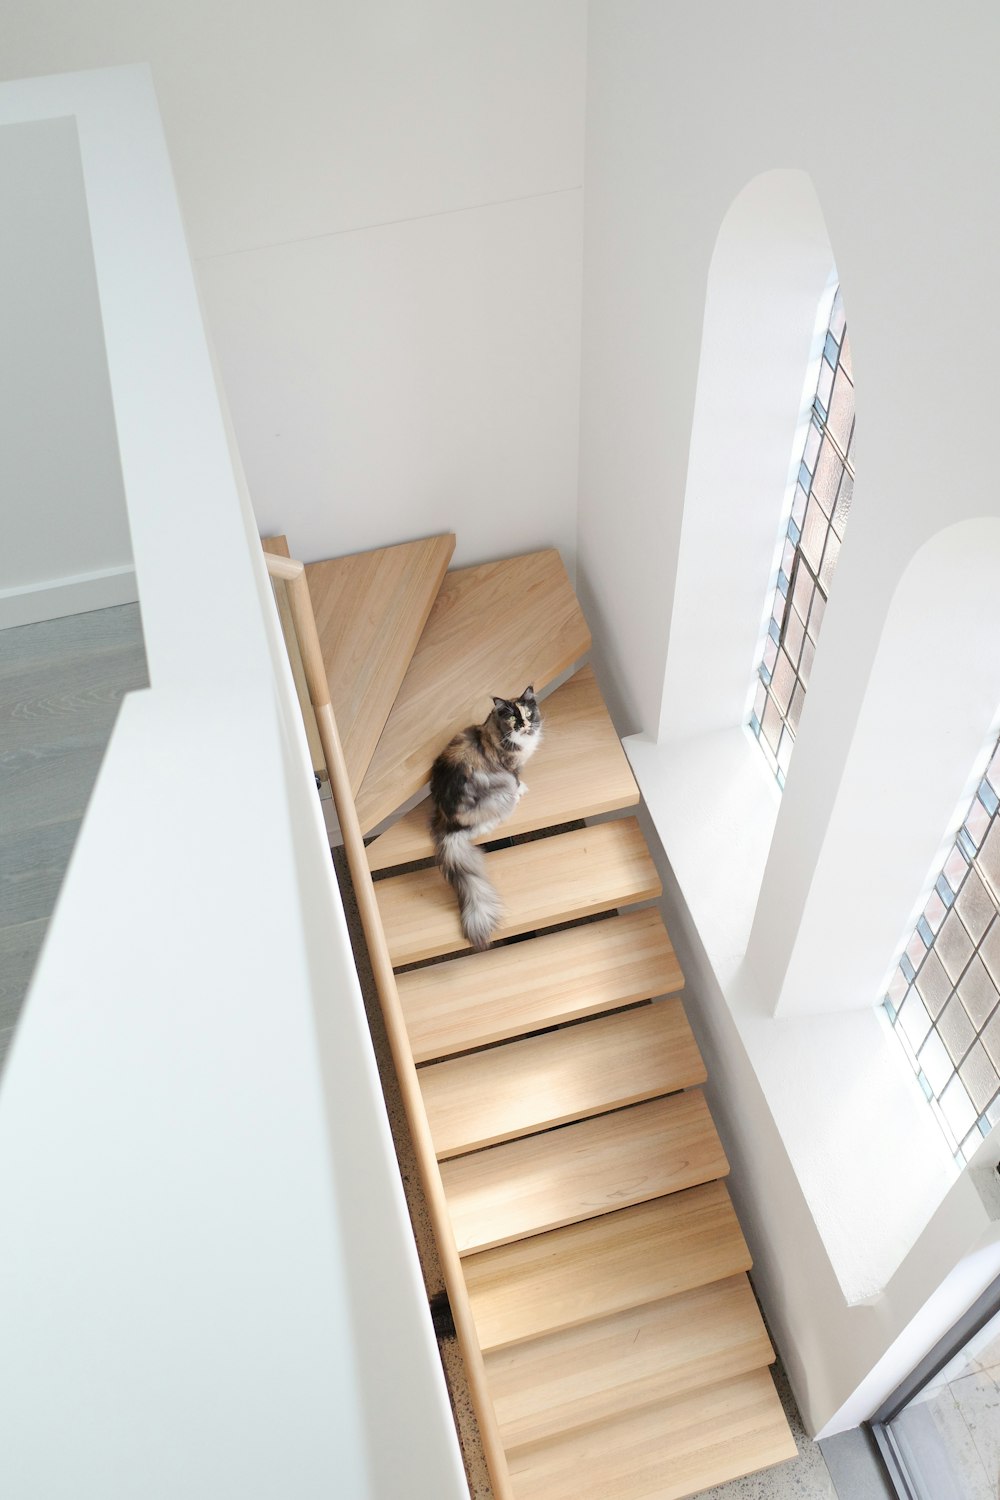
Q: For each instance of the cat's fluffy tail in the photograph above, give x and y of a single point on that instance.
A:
(463, 865)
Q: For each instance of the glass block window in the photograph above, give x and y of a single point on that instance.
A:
(944, 997)
(820, 507)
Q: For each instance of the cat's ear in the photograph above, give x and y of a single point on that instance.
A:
(529, 693)
(500, 703)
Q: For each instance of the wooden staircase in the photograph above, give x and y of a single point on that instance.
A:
(595, 1266)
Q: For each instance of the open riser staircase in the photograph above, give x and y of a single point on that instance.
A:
(595, 1267)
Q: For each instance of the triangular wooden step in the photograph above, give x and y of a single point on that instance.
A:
(540, 883)
(602, 1266)
(560, 976)
(578, 771)
(493, 629)
(630, 1359)
(663, 1452)
(541, 1182)
(530, 1085)
(371, 609)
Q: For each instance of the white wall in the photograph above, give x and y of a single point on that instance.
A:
(208, 1282)
(383, 202)
(891, 114)
(65, 531)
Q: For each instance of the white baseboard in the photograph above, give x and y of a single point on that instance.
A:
(67, 596)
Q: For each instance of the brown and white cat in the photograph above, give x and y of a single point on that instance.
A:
(475, 784)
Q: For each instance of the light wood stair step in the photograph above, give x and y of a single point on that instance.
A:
(631, 1359)
(493, 629)
(540, 1182)
(578, 771)
(543, 1081)
(561, 976)
(540, 883)
(604, 1265)
(371, 609)
(663, 1452)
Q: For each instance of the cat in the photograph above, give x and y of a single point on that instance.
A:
(475, 785)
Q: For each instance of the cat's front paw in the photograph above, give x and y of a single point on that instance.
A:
(522, 787)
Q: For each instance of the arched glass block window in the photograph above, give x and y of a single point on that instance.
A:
(944, 997)
(820, 506)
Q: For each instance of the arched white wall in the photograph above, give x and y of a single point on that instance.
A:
(917, 752)
(770, 267)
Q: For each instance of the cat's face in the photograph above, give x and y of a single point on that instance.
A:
(518, 716)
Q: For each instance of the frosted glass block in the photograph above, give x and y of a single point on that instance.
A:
(799, 503)
(956, 1029)
(953, 946)
(826, 480)
(933, 1058)
(771, 723)
(975, 906)
(842, 509)
(759, 699)
(831, 552)
(977, 822)
(845, 356)
(933, 983)
(913, 1020)
(806, 660)
(898, 985)
(782, 682)
(989, 952)
(958, 1109)
(813, 535)
(988, 858)
(980, 1077)
(815, 622)
(794, 634)
(785, 751)
(841, 417)
(978, 993)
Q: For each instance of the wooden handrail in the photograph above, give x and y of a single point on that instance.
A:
(385, 983)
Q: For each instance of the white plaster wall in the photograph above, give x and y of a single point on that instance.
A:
(383, 204)
(892, 114)
(208, 1282)
(60, 481)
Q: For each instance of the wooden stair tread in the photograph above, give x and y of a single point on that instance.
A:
(645, 1354)
(541, 1182)
(485, 997)
(277, 546)
(540, 883)
(492, 629)
(578, 771)
(371, 609)
(603, 1265)
(662, 1452)
(543, 1081)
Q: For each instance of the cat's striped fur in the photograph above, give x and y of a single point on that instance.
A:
(475, 784)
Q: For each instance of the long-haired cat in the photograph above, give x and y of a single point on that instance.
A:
(474, 785)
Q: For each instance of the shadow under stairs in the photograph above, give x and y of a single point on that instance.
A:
(595, 1264)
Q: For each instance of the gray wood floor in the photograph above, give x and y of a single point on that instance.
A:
(61, 683)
